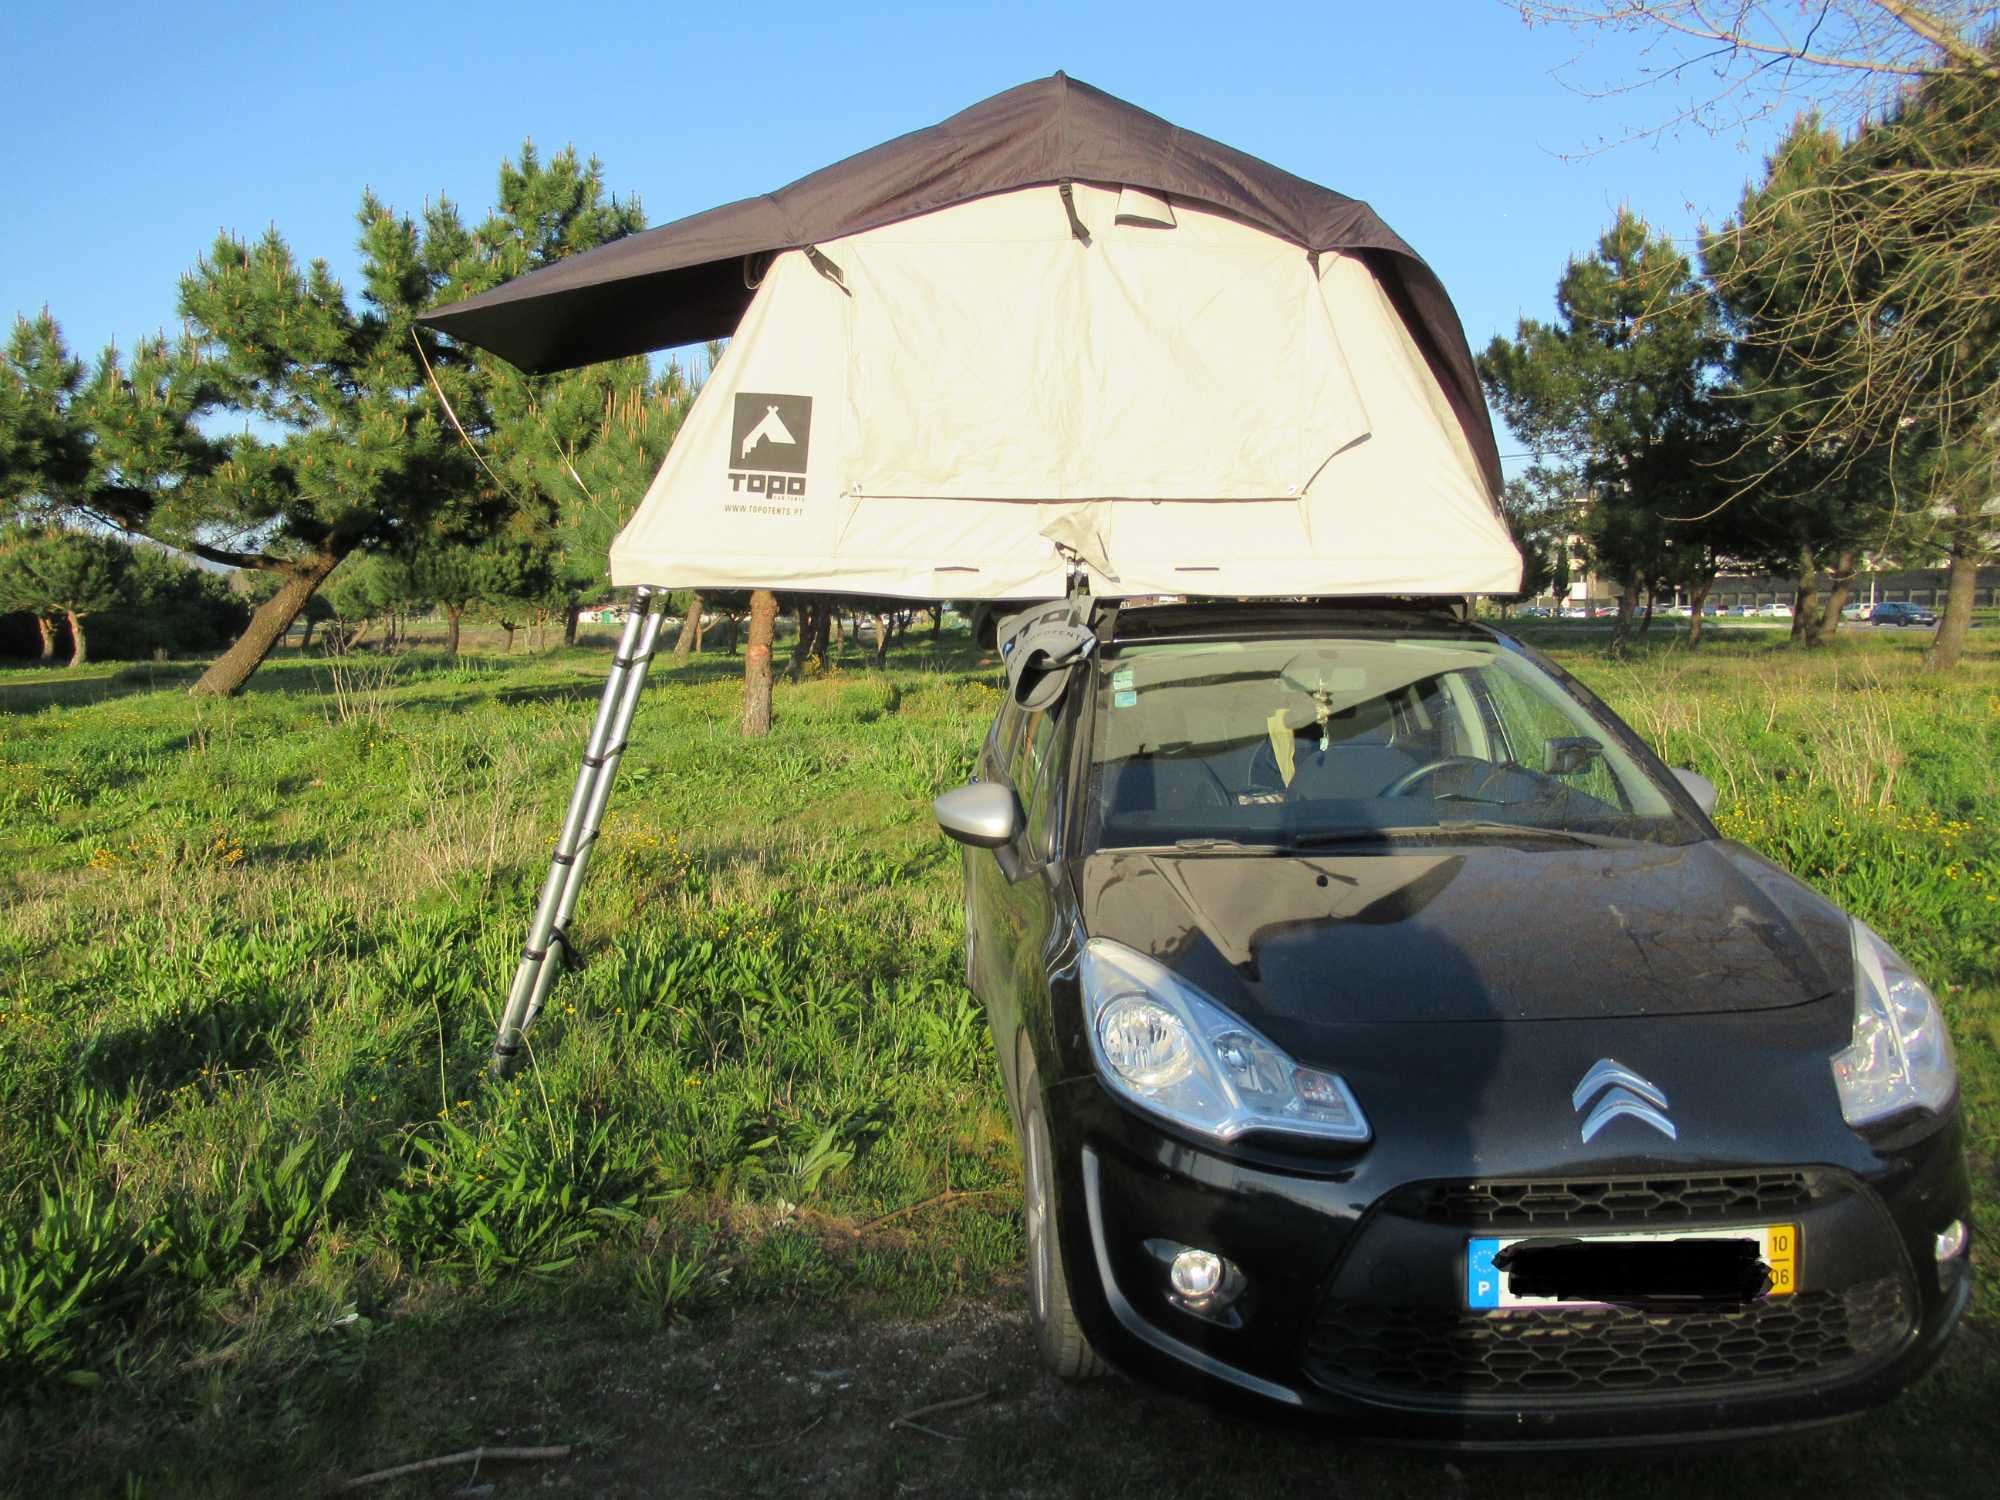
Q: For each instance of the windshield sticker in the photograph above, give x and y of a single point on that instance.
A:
(1124, 698)
(1122, 679)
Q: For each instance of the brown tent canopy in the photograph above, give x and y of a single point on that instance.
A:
(692, 279)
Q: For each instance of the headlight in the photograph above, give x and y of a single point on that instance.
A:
(1168, 1048)
(1900, 1057)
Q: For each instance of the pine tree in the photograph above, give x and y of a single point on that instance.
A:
(1619, 393)
(68, 573)
(575, 450)
(365, 455)
(1813, 497)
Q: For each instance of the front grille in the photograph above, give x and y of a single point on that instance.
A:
(1597, 1201)
(1585, 1351)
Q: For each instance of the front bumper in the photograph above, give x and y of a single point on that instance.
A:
(1354, 1310)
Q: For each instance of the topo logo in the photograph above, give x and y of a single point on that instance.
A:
(768, 443)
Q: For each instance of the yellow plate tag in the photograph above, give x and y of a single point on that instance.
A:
(1781, 1254)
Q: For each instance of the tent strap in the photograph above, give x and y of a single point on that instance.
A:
(548, 932)
(1076, 225)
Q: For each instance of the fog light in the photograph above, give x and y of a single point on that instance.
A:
(1950, 1244)
(1197, 1274)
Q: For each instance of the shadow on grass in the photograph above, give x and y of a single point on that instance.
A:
(188, 1043)
(58, 687)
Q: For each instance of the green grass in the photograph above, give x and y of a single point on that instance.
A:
(257, 1209)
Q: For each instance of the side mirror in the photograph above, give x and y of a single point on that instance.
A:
(984, 814)
(1566, 754)
(1698, 787)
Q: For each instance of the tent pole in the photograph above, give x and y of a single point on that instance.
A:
(601, 753)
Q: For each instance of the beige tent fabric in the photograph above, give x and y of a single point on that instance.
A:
(1184, 404)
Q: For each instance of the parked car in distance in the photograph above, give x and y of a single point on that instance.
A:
(1856, 611)
(1898, 612)
(1391, 1037)
(1778, 611)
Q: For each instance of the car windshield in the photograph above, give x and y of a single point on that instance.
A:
(1315, 742)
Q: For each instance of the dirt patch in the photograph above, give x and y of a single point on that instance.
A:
(805, 1401)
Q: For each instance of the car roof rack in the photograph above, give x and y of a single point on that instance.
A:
(1133, 620)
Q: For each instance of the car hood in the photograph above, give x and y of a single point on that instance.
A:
(1483, 933)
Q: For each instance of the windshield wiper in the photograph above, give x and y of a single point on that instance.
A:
(1451, 830)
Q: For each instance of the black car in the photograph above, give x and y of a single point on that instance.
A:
(1897, 612)
(1392, 1037)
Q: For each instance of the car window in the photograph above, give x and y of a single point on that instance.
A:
(1292, 740)
(1034, 775)
(1538, 732)
(1002, 739)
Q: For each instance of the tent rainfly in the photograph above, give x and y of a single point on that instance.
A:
(1053, 344)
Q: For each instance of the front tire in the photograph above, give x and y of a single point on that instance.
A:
(1059, 1339)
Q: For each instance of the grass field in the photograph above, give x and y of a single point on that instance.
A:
(262, 1226)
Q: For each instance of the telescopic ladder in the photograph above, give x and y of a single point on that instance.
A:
(548, 934)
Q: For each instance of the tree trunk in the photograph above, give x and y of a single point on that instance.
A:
(355, 639)
(757, 665)
(1839, 584)
(48, 629)
(306, 643)
(1698, 601)
(572, 612)
(730, 633)
(509, 627)
(451, 614)
(1652, 604)
(822, 628)
(79, 647)
(689, 640)
(1804, 593)
(804, 615)
(228, 672)
(881, 639)
(1949, 641)
(1621, 631)
(836, 628)
(937, 623)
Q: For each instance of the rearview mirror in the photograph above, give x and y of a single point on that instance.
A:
(1698, 787)
(1566, 754)
(984, 814)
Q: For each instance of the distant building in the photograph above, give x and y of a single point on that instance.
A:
(1916, 585)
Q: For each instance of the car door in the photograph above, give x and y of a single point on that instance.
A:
(1017, 905)
(983, 874)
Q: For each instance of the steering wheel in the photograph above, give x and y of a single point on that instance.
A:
(1401, 786)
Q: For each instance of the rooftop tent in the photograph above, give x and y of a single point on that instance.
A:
(1053, 333)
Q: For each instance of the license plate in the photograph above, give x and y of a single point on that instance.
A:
(1486, 1284)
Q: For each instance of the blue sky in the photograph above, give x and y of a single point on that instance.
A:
(139, 131)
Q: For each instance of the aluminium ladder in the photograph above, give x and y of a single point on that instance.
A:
(548, 934)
